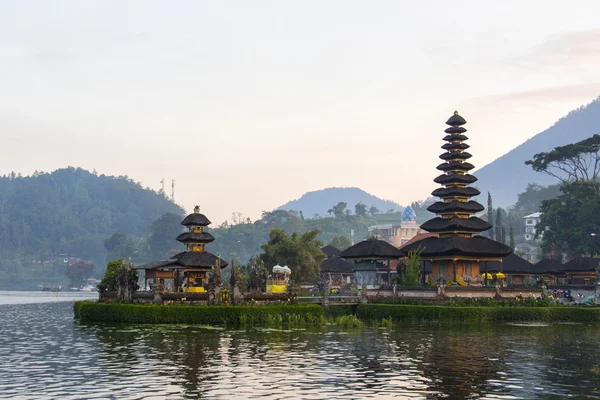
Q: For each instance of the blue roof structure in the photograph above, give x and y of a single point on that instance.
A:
(409, 214)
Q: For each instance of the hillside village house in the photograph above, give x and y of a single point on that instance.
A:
(398, 234)
(531, 222)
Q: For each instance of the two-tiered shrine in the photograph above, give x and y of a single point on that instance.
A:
(458, 251)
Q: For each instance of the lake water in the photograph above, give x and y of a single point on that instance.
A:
(45, 354)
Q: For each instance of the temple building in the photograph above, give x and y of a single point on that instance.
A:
(374, 262)
(190, 269)
(459, 250)
(398, 234)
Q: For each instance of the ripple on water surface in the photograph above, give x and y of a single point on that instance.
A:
(45, 354)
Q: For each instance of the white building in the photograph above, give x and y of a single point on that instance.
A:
(398, 234)
(531, 222)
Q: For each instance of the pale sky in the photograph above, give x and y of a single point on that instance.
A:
(249, 104)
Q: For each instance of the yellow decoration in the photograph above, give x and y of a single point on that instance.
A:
(196, 289)
(431, 281)
(460, 281)
(500, 275)
(489, 276)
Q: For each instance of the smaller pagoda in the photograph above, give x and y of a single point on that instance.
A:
(189, 270)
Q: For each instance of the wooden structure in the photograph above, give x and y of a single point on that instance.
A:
(189, 270)
(456, 255)
(374, 261)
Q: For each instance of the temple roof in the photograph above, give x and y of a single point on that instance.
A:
(455, 155)
(453, 130)
(195, 219)
(330, 251)
(456, 120)
(167, 264)
(456, 191)
(455, 166)
(547, 266)
(511, 263)
(472, 224)
(476, 246)
(454, 178)
(337, 265)
(375, 249)
(455, 146)
(582, 264)
(439, 207)
(457, 137)
(197, 259)
(195, 237)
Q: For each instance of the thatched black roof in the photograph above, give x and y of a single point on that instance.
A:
(337, 265)
(454, 178)
(455, 166)
(330, 251)
(456, 120)
(456, 191)
(476, 246)
(195, 219)
(582, 264)
(376, 249)
(195, 237)
(455, 206)
(548, 266)
(455, 138)
(513, 264)
(455, 155)
(472, 224)
(167, 264)
(455, 146)
(455, 129)
(197, 259)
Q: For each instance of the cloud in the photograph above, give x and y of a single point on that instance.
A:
(581, 91)
(570, 50)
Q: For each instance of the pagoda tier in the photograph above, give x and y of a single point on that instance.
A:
(195, 237)
(455, 179)
(456, 191)
(455, 146)
(455, 166)
(455, 207)
(455, 224)
(195, 219)
(459, 248)
(455, 156)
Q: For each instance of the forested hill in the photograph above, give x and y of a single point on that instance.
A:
(508, 175)
(72, 211)
(321, 201)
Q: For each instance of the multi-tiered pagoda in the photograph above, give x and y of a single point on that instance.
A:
(188, 270)
(458, 251)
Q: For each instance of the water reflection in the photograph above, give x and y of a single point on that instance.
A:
(44, 354)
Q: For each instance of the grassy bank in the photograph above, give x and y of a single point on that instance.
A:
(214, 315)
(398, 312)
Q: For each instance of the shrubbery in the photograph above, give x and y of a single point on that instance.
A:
(214, 315)
(377, 312)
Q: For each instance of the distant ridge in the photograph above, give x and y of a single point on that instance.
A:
(319, 201)
(508, 175)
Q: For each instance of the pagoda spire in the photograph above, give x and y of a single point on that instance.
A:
(455, 210)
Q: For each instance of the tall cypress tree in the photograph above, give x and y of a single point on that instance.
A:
(500, 234)
(490, 213)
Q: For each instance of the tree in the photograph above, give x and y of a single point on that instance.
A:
(414, 266)
(340, 242)
(373, 210)
(576, 162)
(530, 201)
(163, 232)
(109, 281)
(338, 209)
(500, 231)
(118, 246)
(360, 209)
(78, 272)
(301, 253)
(490, 213)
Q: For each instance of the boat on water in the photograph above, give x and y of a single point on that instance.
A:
(49, 288)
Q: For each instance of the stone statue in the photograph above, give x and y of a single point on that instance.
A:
(235, 282)
(127, 282)
(363, 294)
(214, 284)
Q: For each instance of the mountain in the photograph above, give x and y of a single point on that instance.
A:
(320, 201)
(508, 175)
(70, 212)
